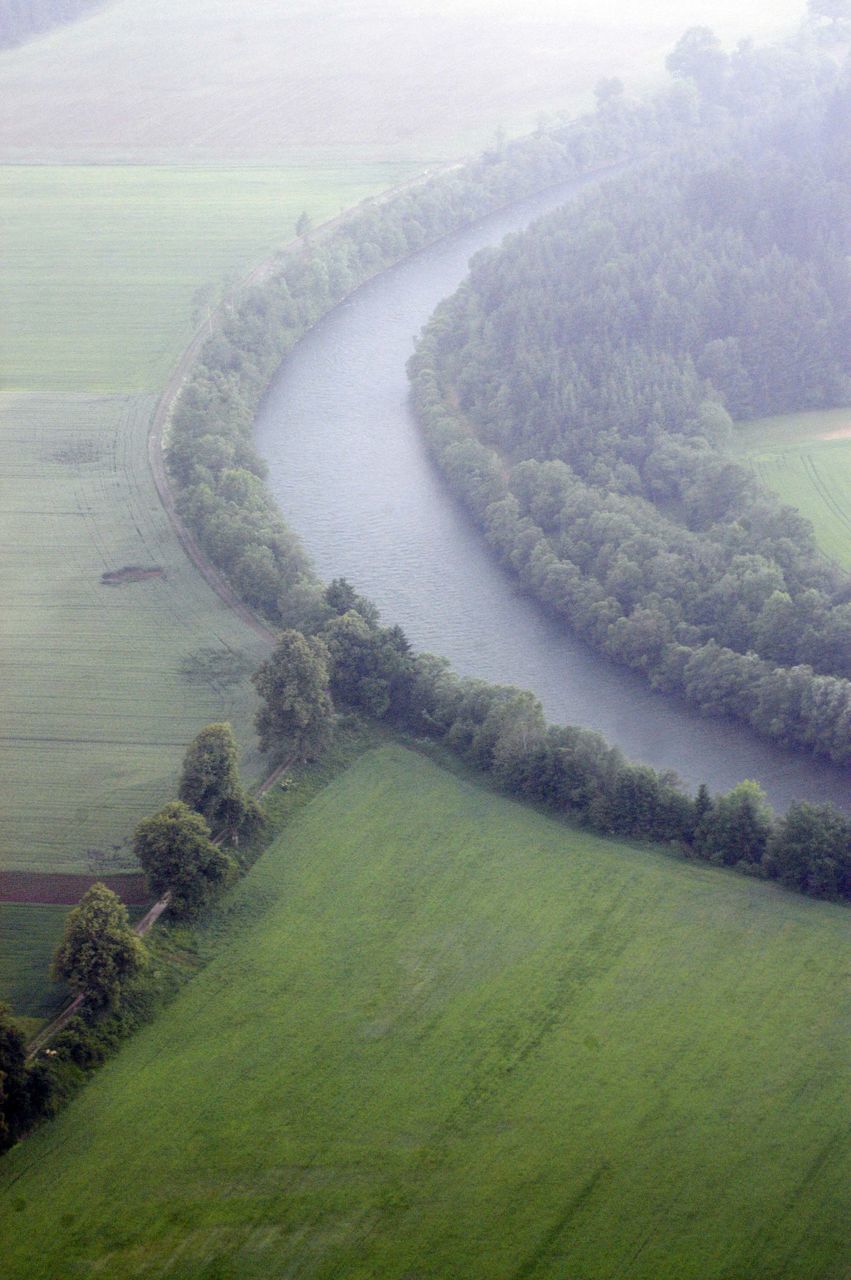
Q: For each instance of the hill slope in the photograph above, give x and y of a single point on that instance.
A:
(448, 1036)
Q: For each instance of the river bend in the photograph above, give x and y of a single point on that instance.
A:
(350, 472)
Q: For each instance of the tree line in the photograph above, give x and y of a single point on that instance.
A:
(577, 393)
(102, 959)
(354, 661)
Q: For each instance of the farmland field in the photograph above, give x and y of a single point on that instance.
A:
(29, 935)
(444, 1035)
(105, 685)
(430, 79)
(805, 458)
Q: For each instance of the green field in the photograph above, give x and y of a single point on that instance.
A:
(446, 1036)
(102, 264)
(103, 686)
(29, 935)
(805, 458)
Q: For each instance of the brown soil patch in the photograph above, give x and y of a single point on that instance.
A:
(67, 890)
(841, 433)
(131, 573)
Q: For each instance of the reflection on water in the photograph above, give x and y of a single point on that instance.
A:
(349, 470)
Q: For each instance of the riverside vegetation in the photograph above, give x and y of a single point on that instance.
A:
(223, 498)
(577, 392)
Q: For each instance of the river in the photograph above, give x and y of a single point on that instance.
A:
(351, 474)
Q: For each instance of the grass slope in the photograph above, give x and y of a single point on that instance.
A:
(152, 79)
(805, 458)
(450, 1037)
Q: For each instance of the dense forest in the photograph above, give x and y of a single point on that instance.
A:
(20, 20)
(580, 389)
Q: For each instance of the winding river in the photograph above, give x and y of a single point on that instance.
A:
(352, 477)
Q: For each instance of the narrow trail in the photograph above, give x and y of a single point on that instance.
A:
(62, 1019)
(141, 927)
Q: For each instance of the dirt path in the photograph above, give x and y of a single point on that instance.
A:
(47, 1033)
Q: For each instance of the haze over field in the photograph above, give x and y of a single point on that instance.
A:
(220, 79)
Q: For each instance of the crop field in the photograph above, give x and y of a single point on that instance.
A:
(444, 1035)
(29, 935)
(107, 269)
(430, 79)
(103, 686)
(805, 458)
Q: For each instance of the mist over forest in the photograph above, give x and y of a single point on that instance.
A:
(392, 974)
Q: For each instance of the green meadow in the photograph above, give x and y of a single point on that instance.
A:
(805, 458)
(443, 1035)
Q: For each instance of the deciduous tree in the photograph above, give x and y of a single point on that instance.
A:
(99, 952)
(210, 783)
(176, 853)
(297, 713)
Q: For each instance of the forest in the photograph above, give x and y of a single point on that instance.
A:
(580, 389)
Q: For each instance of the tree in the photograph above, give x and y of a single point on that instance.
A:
(176, 853)
(698, 56)
(304, 223)
(99, 952)
(298, 714)
(14, 1108)
(737, 827)
(210, 784)
(810, 850)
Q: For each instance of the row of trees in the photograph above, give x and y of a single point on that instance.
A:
(100, 957)
(356, 662)
(593, 357)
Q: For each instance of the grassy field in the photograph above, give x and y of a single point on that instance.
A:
(446, 1036)
(29, 936)
(147, 79)
(105, 686)
(805, 458)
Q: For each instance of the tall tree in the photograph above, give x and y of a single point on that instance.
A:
(176, 853)
(810, 850)
(297, 715)
(13, 1086)
(210, 783)
(737, 827)
(99, 952)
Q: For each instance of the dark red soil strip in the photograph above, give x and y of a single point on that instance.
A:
(67, 890)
